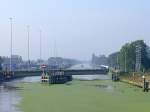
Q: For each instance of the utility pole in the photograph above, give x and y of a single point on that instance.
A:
(117, 63)
(10, 44)
(40, 47)
(28, 34)
(55, 49)
(55, 53)
(125, 61)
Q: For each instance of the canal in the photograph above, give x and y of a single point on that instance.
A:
(84, 95)
(88, 93)
(9, 91)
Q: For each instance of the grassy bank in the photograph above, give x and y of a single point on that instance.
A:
(135, 78)
(84, 96)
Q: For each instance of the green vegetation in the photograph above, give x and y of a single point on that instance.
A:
(84, 96)
(125, 59)
(112, 59)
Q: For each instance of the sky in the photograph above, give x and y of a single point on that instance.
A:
(72, 28)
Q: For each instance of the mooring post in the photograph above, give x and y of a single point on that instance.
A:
(145, 84)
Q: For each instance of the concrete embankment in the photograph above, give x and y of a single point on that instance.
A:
(6, 76)
(132, 83)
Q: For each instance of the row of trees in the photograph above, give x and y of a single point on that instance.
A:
(133, 56)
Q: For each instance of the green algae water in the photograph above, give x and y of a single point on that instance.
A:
(84, 96)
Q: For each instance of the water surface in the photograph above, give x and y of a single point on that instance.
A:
(9, 94)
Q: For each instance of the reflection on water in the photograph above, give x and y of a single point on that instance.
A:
(9, 97)
(32, 79)
(91, 77)
(108, 87)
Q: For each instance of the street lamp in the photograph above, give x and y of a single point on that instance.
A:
(28, 33)
(10, 43)
(143, 77)
(125, 61)
(40, 47)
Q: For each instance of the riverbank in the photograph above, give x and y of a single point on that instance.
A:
(135, 79)
(83, 96)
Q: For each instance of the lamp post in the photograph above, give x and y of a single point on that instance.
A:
(40, 47)
(145, 84)
(10, 44)
(28, 33)
(143, 77)
(125, 61)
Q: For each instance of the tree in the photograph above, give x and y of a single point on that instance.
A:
(128, 56)
(113, 59)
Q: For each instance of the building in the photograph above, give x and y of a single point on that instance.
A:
(148, 51)
(142, 57)
(58, 62)
(99, 60)
(16, 62)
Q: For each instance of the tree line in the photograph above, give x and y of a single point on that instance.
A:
(134, 56)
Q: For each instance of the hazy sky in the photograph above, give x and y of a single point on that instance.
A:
(79, 27)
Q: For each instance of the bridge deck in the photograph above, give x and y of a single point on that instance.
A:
(67, 72)
(19, 74)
